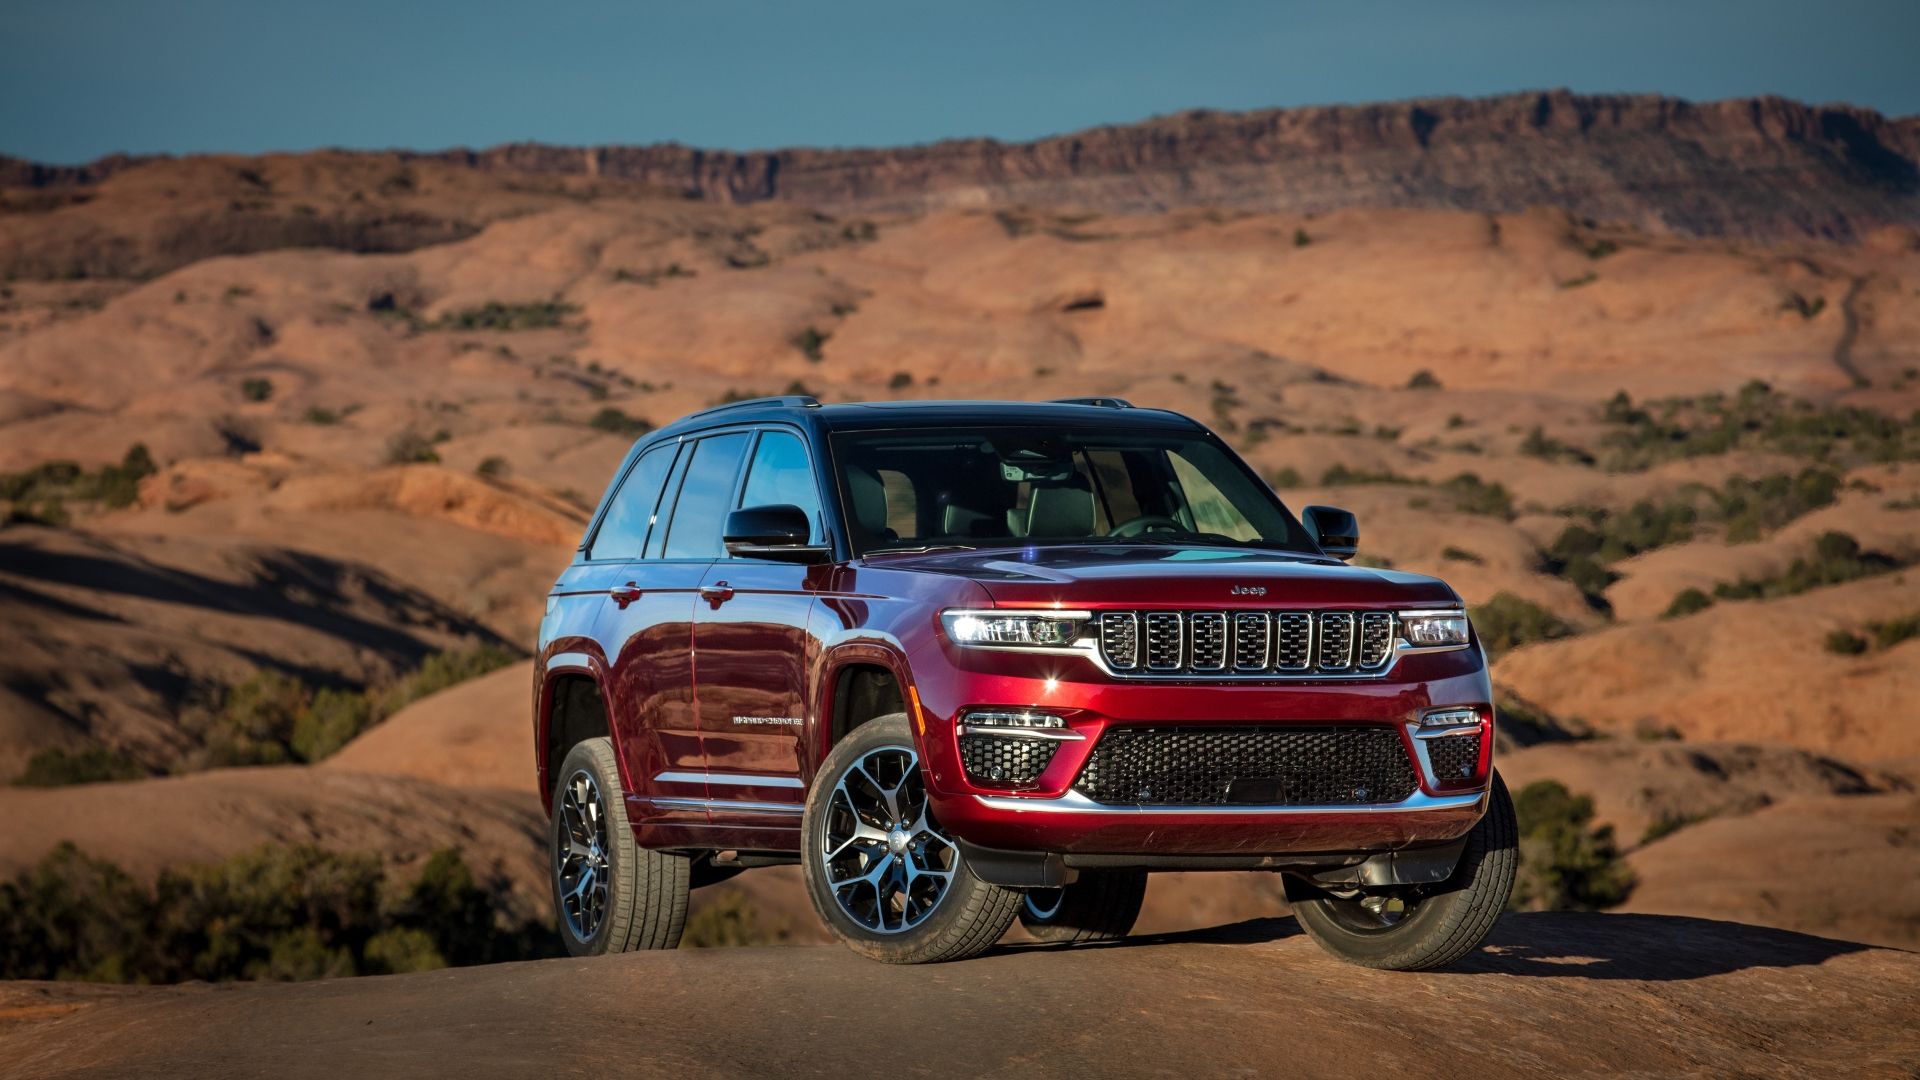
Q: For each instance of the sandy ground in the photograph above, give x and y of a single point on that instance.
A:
(1553, 994)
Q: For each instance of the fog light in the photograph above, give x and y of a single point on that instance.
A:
(1010, 718)
(1448, 718)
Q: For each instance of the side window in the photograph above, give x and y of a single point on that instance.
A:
(780, 473)
(624, 529)
(706, 494)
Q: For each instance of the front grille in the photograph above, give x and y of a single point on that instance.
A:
(1247, 643)
(1272, 766)
(1005, 759)
(1454, 757)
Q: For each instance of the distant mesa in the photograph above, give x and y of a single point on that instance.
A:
(1765, 169)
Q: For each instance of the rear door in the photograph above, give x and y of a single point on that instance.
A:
(649, 616)
(752, 651)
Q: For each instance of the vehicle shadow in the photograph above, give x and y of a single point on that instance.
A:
(1564, 945)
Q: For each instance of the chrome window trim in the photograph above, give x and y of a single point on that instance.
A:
(1075, 803)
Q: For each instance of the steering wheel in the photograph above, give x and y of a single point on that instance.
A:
(1146, 523)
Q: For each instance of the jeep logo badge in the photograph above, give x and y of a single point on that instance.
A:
(1249, 590)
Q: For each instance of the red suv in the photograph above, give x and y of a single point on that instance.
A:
(967, 662)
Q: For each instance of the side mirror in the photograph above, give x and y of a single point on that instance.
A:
(1337, 531)
(777, 532)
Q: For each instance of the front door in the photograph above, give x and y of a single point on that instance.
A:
(752, 653)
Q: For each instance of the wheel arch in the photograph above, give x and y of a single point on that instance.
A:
(857, 683)
(572, 707)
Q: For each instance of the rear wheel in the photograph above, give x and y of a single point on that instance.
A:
(1100, 906)
(1416, 928)
(609, 893)
(879, 869)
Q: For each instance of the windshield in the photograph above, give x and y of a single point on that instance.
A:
(1000, 486)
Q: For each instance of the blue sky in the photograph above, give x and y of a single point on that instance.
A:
(79, 78)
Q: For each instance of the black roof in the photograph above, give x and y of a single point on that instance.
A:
(1108, 413)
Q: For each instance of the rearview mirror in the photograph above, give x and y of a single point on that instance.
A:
(777, 532)
(1337, 531)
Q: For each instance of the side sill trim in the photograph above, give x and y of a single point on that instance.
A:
(1075, 803)
(720, 804)
(730, 779)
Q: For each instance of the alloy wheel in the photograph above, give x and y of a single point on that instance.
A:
(887, 862)
(580, 856)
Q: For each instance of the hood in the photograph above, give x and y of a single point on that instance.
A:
(1169, 574)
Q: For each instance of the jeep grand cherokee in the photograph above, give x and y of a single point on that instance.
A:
(972, 662)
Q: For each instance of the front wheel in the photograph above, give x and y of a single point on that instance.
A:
(879, 869)
(1100, 906)
(1418, 928)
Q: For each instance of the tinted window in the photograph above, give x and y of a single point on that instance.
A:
(706, 494)
(624, 529)
(780, 473)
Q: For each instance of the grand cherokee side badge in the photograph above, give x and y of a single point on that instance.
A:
(1249, 590)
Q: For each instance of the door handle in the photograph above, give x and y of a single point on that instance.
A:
(717, 593)
(624, 594)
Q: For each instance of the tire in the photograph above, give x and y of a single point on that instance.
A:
(1438, 927)
(641, 895)
(1100, 906)
(895, 888)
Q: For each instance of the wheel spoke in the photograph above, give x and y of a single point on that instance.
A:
(888, 864)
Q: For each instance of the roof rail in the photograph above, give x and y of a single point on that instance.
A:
(1096, 402)
(795, 401)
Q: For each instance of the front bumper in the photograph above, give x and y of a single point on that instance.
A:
(1049, 816)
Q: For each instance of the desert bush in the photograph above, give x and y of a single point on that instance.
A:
(494, 315)
(1423, 380)
(1508, 621)
(1845, 643)
(1752, 508)
(491, 468)
(1667, 826)
(615, 422)
(256, 389)
(409, 447)
(1566, 864)
(273, 718)
(1461, 555)
(1301, 239)
(55, 483)
(1880, 635)
(1475, 496)
(1342, 475)
(900, 380)
(320, 414)
(1285, 477)
(1754, 418)
(810, 342)
(1687, 602)
(1547, 448)
(1836, 558)
(733, 920)
(59, 767)
(278, 912)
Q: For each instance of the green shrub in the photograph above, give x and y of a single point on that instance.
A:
(615, 422)
(1687, 602)
(1846, 643)
(51, 485)
(1755, 418)
(900, 380)
(1301, 239)
(1565, 863)
(409, 447)
(491, 468)
(494, 315)
(733, 920)
(1836, 558)
(1667, 826)
(1461, 555)
(1342, 475)
(1508, 621)
(440, 671)
(256, 389)
(282, 913)
(320, 414)
(59, 767)
(1475, 496)
(810, 343)
(1286, 477)
(1547, 448)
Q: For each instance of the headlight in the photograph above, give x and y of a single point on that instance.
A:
(1434, 629)
(1014, 629)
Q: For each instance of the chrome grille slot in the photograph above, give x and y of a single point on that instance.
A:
(1120, 640)
(1166, 641)
(1336, 641)
(1376, 639)
(1250, 641)
(1248, 644)
(1209, 632)
(1293, 641)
